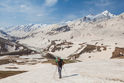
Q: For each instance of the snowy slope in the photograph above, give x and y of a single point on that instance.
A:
(93, 71)
(5, 35)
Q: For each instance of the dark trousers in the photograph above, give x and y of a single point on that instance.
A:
(60, 71)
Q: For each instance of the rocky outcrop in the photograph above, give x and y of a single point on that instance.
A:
(4, 61)
(20, 52)
(87, 49)
(63, 29)
(49, 56)
(58, 46)
(118, 53)
(8, 47)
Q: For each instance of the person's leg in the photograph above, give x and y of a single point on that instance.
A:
(59, 71)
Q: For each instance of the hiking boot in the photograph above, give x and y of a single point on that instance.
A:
(60, 77)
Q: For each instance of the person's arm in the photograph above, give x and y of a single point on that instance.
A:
(63, 62)
(56, 62)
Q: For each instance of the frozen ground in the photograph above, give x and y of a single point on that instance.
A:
(89, 71)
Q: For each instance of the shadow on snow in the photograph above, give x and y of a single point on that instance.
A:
(70, 75)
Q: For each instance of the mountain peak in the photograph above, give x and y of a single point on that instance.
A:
(99, 17)
(107, 13)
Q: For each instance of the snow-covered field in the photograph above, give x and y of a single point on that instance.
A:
(90, 71)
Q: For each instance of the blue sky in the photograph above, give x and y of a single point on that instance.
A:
(17, 12)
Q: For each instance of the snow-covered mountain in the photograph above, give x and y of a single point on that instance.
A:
(99, 17)
(4, 35)
(1, 28)
(8, 44)
(76, 32)
(24, 30)
(108, 32)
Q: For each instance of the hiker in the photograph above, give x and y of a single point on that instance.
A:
(59, 63)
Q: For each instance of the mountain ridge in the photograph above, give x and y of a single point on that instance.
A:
(26, 29)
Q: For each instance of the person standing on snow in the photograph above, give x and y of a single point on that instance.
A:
(59, 63)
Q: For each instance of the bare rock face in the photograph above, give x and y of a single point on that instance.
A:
(118, 53)
(88, 49)
(63, 29)
(57, 47)
(49, 56)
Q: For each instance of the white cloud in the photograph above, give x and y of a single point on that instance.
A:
(39, 15)
(50, 2)
(103, 3)
(100, 3)
(23, 6)
(27, 11)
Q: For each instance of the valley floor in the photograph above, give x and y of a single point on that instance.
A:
(89, 71)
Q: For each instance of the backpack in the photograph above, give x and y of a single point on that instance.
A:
(59, 63)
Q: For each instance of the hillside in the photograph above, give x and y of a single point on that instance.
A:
(108, 33)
